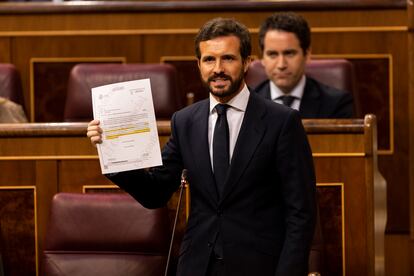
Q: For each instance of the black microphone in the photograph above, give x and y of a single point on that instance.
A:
(184, 177)
(183, 183)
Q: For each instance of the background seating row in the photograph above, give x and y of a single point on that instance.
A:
(169, 86)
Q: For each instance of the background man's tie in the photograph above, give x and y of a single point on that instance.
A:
(221, 151)
(287, 100)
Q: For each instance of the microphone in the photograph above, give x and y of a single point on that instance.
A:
(183, 183)
(184, 177)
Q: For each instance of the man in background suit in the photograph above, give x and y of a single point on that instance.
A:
(249, 166)
(285, 42)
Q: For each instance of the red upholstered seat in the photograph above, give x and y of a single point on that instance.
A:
(337, 73)
(105, 234)
(83, 77)
(10, 83)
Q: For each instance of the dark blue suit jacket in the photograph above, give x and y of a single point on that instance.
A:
(319, 101)
(266, 215)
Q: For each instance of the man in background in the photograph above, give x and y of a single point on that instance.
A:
(285, 42)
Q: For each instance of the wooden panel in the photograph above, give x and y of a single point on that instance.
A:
(331, 209)
(347, 144)
(79, 48)
(50, 80)
(44, 146)
(18, 233)
(75, 174)
(348, 172)
(46, 187)
(5, 53)
(397, 252)
(50, 83)
(17, 217)
(17, 173)
(168, 45)
(373, 79)
(410, 12)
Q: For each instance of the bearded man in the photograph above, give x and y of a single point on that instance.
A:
(249, 166)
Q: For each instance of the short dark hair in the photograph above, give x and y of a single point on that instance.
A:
(224, 27)
(287, 22)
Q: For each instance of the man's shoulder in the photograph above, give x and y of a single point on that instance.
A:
(262, 89)
(332, 102)
(324, 90)
(270, 108)
(190, 110)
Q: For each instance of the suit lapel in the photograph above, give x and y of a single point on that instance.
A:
(199, 145)
(263, 89)
(251, 133)
(309, 105)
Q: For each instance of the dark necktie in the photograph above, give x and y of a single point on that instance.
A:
(287, 100)
(221, 151)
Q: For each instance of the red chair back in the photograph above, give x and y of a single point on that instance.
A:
(105, 234)
(84, 77)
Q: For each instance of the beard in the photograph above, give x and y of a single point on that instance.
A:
(232, 89)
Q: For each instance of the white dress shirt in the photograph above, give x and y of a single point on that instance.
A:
(297, 92)
(235, 114)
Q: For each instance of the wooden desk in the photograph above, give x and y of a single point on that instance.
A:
(351, 194)
(39, 160)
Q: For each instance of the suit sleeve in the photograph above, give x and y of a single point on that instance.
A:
(295, 167)
(154, 187)
(345, 107)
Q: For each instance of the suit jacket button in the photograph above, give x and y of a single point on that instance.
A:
(209, 244)
(219, 212)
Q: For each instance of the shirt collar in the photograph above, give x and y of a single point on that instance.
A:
(239, 102)
(297, 91)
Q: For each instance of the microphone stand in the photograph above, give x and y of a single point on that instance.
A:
(182, 186)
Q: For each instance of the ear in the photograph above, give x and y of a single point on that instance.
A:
(198, 63)
(247, 63)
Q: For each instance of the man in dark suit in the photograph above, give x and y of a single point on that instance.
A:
(249, 166)
(285, 42)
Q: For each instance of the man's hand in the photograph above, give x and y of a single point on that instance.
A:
(94, 132)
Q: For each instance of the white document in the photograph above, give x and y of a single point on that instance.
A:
(130, 137)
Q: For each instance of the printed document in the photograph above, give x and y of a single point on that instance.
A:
(130, 137)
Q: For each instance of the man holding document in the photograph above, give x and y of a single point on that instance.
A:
(248, 163)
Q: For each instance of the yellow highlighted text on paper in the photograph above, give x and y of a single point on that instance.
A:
(116, 133)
